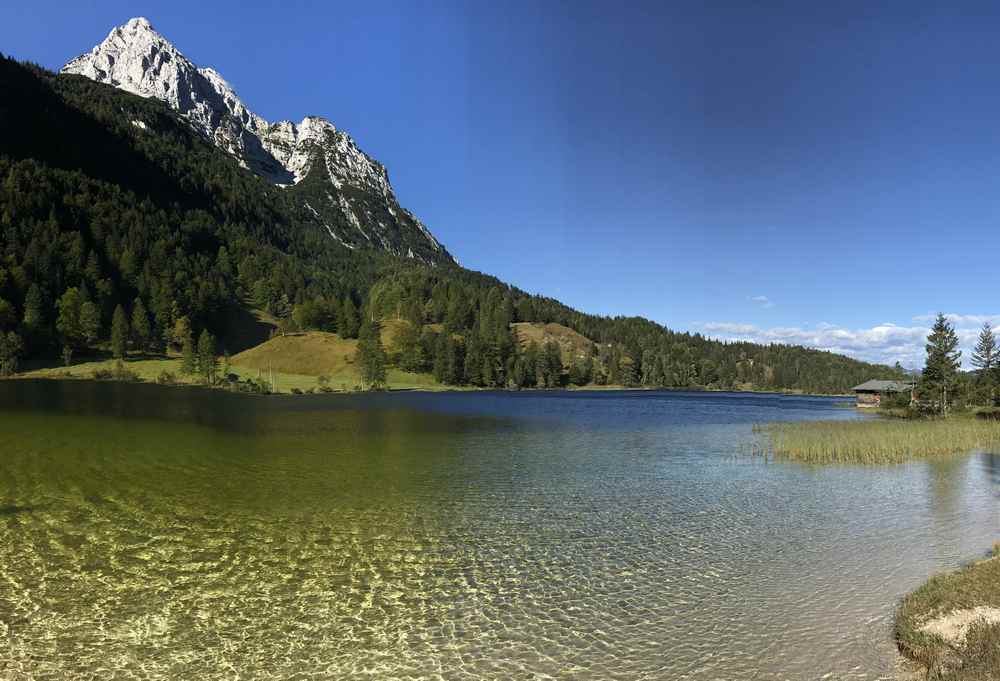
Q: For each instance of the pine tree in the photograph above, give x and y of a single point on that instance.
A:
(68, 321)
(182, 331)
(11, 348)
(553, 365)
(370, 356)
(440, 357)
(207, 365)
(34, 316)
(473, 363)
(141, 329)
(411, 351)
(984, 356)
(941, 366)
(348, 324)
(119, 333)
(90, 322)
(189, 361)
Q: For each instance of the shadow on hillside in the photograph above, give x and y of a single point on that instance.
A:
(245, 328)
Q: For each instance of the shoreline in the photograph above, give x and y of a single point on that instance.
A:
(949, 627)
(66, 374)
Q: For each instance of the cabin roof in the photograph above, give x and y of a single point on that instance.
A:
(875, 386)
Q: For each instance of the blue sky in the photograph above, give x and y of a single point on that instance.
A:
(822, 175)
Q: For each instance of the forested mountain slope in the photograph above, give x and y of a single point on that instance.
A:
(108, 199)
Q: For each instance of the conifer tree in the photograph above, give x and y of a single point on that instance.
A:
(941, 366)
(440, 357)
(90, 322)
(411, 351)
(141, 329)
(370, 356)
(348, 324)
(207, 365)
(11, 348)
(34, 315)
(119, 333)
(984, 355)
(189, 360)
(68, 320)
(473, 362)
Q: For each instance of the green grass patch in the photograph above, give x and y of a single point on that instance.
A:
(167, 370)
(975, 654)
(878, 441)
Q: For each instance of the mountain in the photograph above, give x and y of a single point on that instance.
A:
(109, 199)
(342, 189)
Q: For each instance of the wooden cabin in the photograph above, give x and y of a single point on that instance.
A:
(869, 393)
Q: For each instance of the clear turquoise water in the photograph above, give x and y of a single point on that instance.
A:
(173, 533)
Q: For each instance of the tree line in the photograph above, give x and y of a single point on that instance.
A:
(942, 385)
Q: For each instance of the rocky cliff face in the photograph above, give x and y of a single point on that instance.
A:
(342, 189)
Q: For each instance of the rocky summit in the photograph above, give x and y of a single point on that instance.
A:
(341, 188)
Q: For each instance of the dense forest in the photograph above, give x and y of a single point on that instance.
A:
(109, 202)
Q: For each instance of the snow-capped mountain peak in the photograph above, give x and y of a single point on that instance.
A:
(358, 206)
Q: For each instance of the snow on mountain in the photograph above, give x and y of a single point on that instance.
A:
(343, 189)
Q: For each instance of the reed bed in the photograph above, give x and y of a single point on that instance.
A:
(877, 441)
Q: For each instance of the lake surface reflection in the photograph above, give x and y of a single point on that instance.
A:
(175, 533)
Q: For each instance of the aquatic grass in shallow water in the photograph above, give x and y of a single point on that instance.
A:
(878, 441)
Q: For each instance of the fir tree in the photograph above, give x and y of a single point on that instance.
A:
(90, 322)
(11, 348)
(8, 316)
(370, 356)
(348, 324)
(119, 333)
(984, 355)
(941, 366)
(34, 316)
(68, 321)
(207, 365)
(473, 362)
(189, 360)
(440, 357)
(411, 350)
(141, 330)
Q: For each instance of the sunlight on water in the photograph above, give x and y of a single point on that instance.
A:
(149, 533)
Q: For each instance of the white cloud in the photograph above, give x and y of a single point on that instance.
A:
(960, 320)
(884, 343)
(763, 301)
(727, 327)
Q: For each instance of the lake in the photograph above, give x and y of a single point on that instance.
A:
(150, 532)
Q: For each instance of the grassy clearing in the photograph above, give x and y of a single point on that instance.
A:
(878, 441)
(974, 656)
(572, 345)
(297, 360)
(149, 369)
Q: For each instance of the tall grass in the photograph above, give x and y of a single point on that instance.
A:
(878, 441)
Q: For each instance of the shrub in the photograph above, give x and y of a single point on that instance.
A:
(166, 378)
